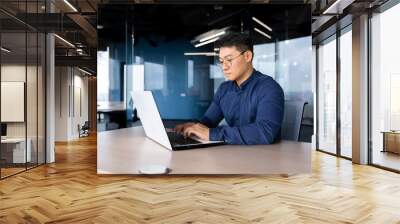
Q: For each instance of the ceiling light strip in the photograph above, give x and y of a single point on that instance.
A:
(70, 5)
(84, 71)
(331, 7)
(262, 33)
(206, 42)
(64, 40)
(200, 54)
(262, 24)
(212, 36)
(5, 49)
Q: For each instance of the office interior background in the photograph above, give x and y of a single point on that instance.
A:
(64, 71)
(173, 55)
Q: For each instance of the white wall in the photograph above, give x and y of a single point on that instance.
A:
(71, 87)
(62, 81)
(79, 117)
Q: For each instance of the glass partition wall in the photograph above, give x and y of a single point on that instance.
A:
(22, 88)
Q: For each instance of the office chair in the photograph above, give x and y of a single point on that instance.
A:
(84, 130)
(293, 116)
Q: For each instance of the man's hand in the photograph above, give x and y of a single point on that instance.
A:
(181, 127)
(199, 130)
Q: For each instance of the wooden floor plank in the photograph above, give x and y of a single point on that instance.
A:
(70, 191)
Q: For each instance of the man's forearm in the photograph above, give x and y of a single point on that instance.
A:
(263, 132)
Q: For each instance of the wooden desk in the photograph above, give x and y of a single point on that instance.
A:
(125, 151)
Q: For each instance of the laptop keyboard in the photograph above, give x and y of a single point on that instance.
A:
(178, 139)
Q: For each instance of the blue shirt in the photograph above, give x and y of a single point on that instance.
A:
(253, 111)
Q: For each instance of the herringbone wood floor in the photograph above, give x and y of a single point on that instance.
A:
(69, 191)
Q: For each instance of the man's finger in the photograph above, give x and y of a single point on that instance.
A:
(186, 131)
(191, 133)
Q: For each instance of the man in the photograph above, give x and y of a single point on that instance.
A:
(251, 103)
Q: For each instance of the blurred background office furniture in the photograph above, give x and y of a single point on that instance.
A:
(391, 141)
(13, 152)
(111, 115)
(292, 119)
(84, 129)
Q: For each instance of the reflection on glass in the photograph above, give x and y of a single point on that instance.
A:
(327, 96)
(190, 73)
(346, 94)
(265, 58)
(154, 78)
(294, 69)
(385, 84)
(103, 80)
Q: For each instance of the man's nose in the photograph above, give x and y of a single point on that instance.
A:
(225, 67)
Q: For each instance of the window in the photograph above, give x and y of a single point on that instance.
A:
(346, 93)
(327, 95)
(385, 88)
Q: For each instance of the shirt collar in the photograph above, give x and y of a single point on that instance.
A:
(246, 83)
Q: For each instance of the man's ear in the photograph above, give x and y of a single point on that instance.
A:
(248, 56)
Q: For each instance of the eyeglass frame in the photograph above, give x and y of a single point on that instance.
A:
(229, 60)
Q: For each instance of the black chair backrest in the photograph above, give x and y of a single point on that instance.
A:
(86, 125)
(292, 119)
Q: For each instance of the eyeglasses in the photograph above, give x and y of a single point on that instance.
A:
(228, 61)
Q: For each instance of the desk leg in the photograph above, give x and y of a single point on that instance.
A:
(384, 142)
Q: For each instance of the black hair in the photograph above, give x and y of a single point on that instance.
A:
(241, 41)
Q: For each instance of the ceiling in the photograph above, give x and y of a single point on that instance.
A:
(76, 21)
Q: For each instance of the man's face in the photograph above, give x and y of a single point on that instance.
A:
(234, 63)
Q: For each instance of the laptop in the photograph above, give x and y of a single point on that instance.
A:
(155, 130)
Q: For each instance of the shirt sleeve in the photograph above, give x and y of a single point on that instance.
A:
(266, 127)
(214, 114)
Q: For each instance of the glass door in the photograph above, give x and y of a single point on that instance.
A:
(327, 95)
